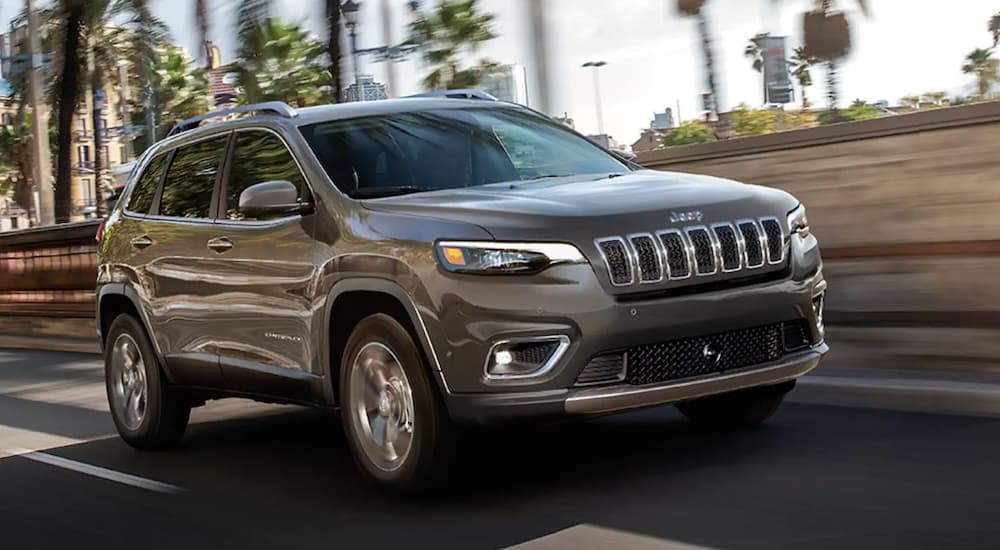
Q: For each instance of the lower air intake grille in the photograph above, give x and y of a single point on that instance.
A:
(533, 353)
(603, 369)
(704, 355)
(616, 255)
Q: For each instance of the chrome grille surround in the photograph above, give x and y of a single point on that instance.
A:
(694, 251)
(628, 260)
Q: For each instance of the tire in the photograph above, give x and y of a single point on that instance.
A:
(160, 414)
(741, 409)
(399, 438)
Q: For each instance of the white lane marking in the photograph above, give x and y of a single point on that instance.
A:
(592, 537)
(97, 471)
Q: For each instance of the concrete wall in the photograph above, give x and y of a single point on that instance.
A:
(907, 209)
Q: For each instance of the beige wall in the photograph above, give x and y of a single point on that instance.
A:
(82, 190)
(901, 206)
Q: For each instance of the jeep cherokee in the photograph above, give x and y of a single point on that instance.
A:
(426, 263)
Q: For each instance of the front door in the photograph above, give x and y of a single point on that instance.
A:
(264, 274)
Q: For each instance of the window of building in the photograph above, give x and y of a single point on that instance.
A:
(83, 153)
(7, 119)
(260, 157)
(187, 189)
(106, 155)
(86, 192)
(145, 188)
(124, 156)
(81, 122)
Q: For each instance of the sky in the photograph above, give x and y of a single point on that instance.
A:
(654, 55)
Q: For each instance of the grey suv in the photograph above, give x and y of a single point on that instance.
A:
(426, 263)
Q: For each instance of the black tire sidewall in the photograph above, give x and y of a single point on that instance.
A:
(417, 468)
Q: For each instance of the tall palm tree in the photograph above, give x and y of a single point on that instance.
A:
(695, 8)
(288, 67)
(72, 14)
(986, 68)
(333, 47)
(995, 29)
(801, 65)
(251, 17)
(755, 53)
(828, 38)
(452, 28)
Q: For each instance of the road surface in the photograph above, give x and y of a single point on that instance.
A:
(257, 476)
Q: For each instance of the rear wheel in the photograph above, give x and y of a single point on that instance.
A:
(147, 412)
(395, 422)
(741, 409)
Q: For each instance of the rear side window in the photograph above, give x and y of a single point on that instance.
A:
(145, 188)
(260, 157)
(187, 189)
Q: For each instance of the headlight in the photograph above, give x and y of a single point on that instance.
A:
(490, 258)
(798, 223)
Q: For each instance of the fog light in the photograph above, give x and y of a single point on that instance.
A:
(524, 358)
(818, 312)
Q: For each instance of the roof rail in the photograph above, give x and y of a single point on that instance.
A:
(279, 108)
(458, 94)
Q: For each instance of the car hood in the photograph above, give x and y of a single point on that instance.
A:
(581, 208)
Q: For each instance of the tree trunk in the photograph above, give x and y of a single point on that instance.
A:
(832, 94)
(706, 45)
(96, 83)
(69, 97)
(333, 48)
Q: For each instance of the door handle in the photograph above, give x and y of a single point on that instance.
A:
(141, 242)
(220, 244)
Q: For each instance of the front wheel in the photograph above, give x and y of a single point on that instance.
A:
(147, 412)
(395, 422)
(740, 409)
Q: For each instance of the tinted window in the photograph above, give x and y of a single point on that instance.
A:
(145, 188)
(187, 189)
(451, 148)
(260, 157)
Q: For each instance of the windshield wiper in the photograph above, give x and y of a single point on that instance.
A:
(390, 191)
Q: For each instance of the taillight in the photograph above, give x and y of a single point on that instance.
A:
(100, 229)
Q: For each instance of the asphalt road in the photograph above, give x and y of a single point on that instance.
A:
(255, 476)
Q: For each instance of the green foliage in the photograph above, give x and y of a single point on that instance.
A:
(994, 28)
(288, 67)
(801, 68)
(986, 68)
(754, 52)
(689, 133)
(859, 110)
(753, 122)
(451, 29)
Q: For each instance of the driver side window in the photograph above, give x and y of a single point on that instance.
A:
(259, 157)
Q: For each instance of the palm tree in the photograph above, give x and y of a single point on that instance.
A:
(333, 47)
(695, 8)
(451, 28)
(289, 67)
(800, 64)
(72, 14)
(251, 17)
(986, 68)
(995, 29)
(828, 39)
(755, 53)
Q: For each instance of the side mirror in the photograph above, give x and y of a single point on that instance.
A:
(271, 198)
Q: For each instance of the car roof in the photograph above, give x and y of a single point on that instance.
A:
(342, 111)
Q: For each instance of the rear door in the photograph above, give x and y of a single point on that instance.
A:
(264, 277)
(177, 280)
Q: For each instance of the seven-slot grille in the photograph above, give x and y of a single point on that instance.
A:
(699, 251)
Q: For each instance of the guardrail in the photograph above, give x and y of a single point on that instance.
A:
(49, 270)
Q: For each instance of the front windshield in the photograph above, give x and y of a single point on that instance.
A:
(450, 148)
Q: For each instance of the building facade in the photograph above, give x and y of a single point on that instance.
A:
(507, 83)
(369, 90)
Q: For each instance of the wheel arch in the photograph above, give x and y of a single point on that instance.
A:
(351, 300)
(114, 299)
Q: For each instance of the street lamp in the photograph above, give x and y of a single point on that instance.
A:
(596, 65)
(350, 10)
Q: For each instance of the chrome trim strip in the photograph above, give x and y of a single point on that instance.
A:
(540, 372)
(688, 253)
(618, 398)
(638, 262)
(739, 247)
(694, 249)
(784, 240)
(760, 242)
(607, 264)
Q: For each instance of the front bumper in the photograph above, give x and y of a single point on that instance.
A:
(581, 402)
